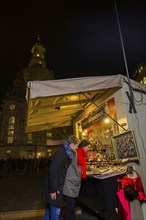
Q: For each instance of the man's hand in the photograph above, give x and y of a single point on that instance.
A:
(53, 196)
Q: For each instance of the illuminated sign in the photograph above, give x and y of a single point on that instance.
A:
(92, 118)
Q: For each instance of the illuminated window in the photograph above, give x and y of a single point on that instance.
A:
(144, 80)
(11, 126)
(29, 138)
(10, 137)
(8, 151)
(49, 135)
(12, 120)
(141, 67)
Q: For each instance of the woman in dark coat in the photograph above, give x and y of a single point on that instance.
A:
(56, 177)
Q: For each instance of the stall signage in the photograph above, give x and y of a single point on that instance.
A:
(92, 118)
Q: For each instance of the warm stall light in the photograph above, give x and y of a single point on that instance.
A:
(84, 133)
(39, 154)
(106, 120)
(123, 122)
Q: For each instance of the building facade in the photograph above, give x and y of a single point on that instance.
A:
(14, 141)
(140, 73)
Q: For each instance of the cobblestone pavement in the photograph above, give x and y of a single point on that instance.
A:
(20, 198)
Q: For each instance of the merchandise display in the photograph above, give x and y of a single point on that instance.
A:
(105, 171)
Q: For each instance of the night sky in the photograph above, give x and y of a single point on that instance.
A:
(81, 37)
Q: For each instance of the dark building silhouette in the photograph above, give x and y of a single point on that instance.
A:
(14, 141)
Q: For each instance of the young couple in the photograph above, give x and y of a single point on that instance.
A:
(64, 178)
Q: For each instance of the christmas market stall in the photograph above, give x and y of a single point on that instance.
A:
(110, 113)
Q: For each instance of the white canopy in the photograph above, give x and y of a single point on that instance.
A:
(54, 103)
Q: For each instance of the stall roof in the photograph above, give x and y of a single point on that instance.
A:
(54, 103)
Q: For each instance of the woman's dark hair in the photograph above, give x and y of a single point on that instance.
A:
(83, 143)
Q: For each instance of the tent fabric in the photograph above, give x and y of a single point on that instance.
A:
(55, 103)
(74, 85)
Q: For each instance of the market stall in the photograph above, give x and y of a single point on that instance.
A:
(102, 111)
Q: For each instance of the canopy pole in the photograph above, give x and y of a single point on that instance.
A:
(130, 96)
(103, 111)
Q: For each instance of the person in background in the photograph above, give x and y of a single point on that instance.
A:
(75, 172)
(56, 177)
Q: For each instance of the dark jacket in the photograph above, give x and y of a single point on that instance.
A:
(56, 176)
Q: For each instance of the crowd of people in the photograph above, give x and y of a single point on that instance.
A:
(24, 165)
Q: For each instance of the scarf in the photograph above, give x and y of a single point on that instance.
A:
(82, 161)
(68, 150)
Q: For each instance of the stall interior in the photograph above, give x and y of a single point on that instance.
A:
(99, 129)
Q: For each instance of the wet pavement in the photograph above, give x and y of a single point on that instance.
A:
(20, 198)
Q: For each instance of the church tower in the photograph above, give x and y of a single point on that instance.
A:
(14, 142)
(36, 69)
